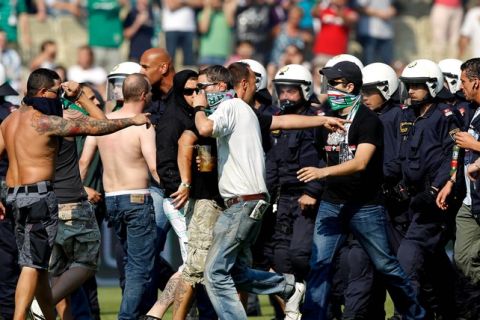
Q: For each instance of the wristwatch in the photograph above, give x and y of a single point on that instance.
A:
(186, 185)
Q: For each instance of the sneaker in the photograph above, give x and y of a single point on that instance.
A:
(292, 305)
(35, 311)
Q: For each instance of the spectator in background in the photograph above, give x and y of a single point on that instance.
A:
(446, 19)
(253, 21)
(138, 27)
(46, 57)
(375, 30)
(243, 50)
(58, 7)
(105, 32)
(215, 32)
(336, 19)
(470, 33)
(12, 15)
(86, 71)
(12, 63)
(178, 18)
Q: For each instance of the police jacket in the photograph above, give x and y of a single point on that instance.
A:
(426, 145)
(292, 150)
(390, 116)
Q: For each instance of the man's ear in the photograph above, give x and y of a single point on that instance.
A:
(350, 87)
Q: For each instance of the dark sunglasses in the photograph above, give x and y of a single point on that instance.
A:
(335, 83)
(203, 85)
(189, 91)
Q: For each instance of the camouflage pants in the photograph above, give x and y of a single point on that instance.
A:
(203, 214)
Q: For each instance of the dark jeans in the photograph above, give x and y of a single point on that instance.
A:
(368, 224)
(134, 222)
(183, 40)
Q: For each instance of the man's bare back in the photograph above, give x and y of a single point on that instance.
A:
(125, 154)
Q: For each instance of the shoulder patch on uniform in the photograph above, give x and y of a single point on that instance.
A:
(462, 111)
(403, 106)
(405, 126)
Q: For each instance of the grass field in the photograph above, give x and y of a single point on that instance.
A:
(110, 301)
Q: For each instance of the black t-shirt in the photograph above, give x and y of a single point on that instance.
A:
(362, 187)
(205, 184)
(265, 121)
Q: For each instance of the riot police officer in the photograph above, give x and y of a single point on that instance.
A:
(426, 128)
(292, 150)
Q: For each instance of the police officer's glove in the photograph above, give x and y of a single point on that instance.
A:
(425, 200)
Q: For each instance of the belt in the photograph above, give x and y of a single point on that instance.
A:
(248, 197)
(32, 188)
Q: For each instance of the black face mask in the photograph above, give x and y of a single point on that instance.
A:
(47, 106)
(287, 106)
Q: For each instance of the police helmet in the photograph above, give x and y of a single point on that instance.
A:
(295, 75)
(451, 72)
(116, 77)
(382, 77)
(424, 71)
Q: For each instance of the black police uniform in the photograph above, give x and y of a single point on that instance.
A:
(425, 154)
(292, 239)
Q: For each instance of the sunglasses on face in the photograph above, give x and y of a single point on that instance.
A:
(189, 91)
(58, 91)
(335, 83)
(204, 85)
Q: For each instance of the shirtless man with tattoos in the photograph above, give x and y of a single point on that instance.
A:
(30, 137)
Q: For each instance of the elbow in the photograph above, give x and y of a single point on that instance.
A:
(361, 166)
(205, 130)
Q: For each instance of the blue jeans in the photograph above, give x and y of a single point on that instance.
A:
(227, 267)
(133, 219)
(376, 50)
(161, 220)
(183, 40)
(368, 224)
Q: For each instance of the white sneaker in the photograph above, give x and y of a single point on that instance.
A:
(35, 311)
(292, 311)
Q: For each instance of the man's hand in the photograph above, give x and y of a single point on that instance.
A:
(72, 89)
(465, 140)
(472, 171)
(306, 202)
(141, 119)
(311, 173)
(2, 211)
(200, 99)
(93, 195)
(443, 194)
(180, 197)
(334, 124)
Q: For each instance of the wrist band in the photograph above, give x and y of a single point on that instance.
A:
(452, 181)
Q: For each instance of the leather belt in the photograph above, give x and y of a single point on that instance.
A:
(31, 188)
(248, 197)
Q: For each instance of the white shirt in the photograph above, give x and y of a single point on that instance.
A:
(182, 19)
(468, 198)
(471, 29)
(241, 160)
(95, 75)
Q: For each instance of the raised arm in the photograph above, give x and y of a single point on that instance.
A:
(56, 126)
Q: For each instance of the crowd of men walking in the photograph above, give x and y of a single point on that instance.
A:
(325, 203)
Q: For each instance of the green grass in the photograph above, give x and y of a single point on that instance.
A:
(109, 298)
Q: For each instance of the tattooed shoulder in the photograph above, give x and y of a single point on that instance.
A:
(46, 124)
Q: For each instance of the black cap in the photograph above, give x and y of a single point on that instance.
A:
(344, 69)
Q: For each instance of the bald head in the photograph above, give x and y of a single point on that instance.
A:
(134, 86)
(158, 67)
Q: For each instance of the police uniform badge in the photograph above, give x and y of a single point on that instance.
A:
(405, 127)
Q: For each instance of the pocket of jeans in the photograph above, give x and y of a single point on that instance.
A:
(247, 226)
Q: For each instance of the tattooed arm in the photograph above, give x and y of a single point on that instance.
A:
(57, 126)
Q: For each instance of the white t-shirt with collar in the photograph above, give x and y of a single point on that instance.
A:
(241, 160)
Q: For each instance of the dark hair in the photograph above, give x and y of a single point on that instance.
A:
(471, 68)
(134, 85)
(41, 79)
(218, 73)
(239, 71)
(46, 43)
